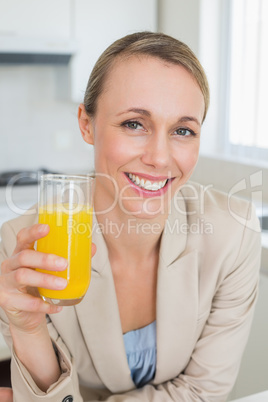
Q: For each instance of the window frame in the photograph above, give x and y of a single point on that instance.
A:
(252, 153)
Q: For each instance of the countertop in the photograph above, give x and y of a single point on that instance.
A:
(16, 201)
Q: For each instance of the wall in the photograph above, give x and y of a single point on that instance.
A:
(181, 19)
(37, 128)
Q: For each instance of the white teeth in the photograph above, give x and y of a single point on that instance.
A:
(147, 184)
(155, 186)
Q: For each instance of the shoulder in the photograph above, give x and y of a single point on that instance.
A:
(201, 199)
(219, 208)
(218, 224)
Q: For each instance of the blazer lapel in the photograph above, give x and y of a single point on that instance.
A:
(177, 309)
(99, 319)
(177, 298)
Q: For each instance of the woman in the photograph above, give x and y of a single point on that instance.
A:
(174, 278)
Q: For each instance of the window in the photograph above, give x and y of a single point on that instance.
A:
(247, 111)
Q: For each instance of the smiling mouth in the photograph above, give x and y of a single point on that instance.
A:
(147, 184)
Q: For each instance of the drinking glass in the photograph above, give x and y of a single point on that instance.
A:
(66, 205)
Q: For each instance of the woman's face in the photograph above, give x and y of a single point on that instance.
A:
(146, 135)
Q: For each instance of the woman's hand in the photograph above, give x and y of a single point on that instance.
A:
(19, 281)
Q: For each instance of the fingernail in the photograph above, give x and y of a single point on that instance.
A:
(61, 283)
(42, 228)
(61, 262)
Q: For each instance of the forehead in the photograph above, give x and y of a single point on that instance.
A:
(139, 65)
(146, 80)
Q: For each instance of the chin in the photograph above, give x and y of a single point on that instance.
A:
(148, 209)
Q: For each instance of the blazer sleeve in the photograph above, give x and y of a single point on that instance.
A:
(24, 388)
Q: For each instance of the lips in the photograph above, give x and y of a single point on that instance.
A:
(145, 184)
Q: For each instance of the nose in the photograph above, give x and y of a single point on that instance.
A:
(157, 151)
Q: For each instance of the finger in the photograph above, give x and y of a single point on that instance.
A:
(30, 304)
(35, 259)
(24, 277)
(27, 236)
(93, 249)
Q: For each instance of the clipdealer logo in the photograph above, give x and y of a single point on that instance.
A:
(254, 187)
(252, 184)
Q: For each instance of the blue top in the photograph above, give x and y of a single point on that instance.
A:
(140, 348)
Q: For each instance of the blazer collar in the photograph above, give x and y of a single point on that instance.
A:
(174, 236)
(177, 294)
(177, 310)
(101, 257)
(103, 334)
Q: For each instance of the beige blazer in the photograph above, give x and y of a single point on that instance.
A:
(206, 289)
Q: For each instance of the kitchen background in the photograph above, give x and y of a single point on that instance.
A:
(47, 49)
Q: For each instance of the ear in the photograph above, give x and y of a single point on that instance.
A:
(85, 124)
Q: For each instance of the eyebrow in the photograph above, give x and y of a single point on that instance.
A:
(148, 114)
(189, 118)
(136, 110)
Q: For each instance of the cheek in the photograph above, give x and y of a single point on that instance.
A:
(110, 152)
(194, 156)
(117, 149)
(187, 157)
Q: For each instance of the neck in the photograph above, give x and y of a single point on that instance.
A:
(128, 237)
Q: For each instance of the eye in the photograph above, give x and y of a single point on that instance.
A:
(133, 125)
(184, 132)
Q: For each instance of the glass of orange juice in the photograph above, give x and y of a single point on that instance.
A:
(66, 205)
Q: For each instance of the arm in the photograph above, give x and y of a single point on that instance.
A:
(35, 351)
(25, 311)
(23, 314)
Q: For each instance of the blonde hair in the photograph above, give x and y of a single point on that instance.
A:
(145, 43)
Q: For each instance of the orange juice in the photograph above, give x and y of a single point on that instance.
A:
(69, 237)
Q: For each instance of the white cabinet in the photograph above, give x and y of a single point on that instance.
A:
(97, 24)
(80, 27)
(35, 18)
(35, 27)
